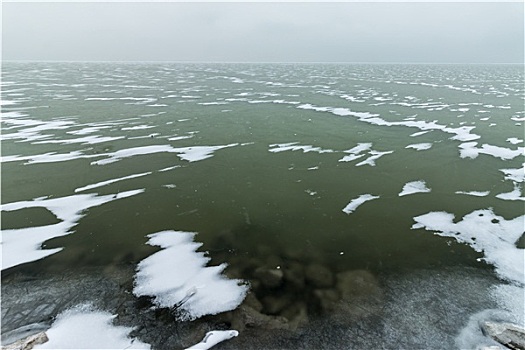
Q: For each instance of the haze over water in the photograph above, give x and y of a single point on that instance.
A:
(345, 166)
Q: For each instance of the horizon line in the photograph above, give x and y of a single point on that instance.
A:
(248, 62)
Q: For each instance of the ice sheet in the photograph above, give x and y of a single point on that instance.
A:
(24, 245)
(414, 187)
(177, 277)
(83, 327)
(356, 202)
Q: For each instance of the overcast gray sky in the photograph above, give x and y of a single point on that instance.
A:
(448, 32)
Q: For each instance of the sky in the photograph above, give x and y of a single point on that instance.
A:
(398, 32)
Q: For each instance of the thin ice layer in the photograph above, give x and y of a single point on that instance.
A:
(356, 202)
(24, 245)
(84, 328)
(414, 187)
(484, 232)
(177, 276)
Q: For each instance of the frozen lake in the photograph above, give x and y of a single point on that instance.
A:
(305, 205)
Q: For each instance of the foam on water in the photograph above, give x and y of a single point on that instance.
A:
(84, 327)
(24, 245)
(414, 187)
(177, 277)
(356, 202)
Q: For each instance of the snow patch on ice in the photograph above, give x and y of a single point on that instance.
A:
(374, 155)
(107, 182)
(356, 202)
(485, 232)
(190, 154)
(514, 195)
(83, 327)
(517, 175)
(420, 146)
(177, 277)
(474, 193)
(293, 146)
(414, 187)
(24, 245)
(514, 140)
(469, 150)
(213, 338)
(460, 134)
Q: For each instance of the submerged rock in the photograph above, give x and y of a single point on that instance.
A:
(319, 276)
(247, 317)
(274, 304)
(327, 299)
(270, 278)
(294, 275)
(296, 314)
(356, 283)
(507, 334)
